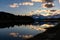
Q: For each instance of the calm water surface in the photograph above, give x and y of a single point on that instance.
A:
(22, 32)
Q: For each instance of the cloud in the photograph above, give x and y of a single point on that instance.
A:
(52, 10)
(59, 1)
(45, 12)
(36, 0)
(48, 5)
(34, 12)
(57, 11)
(49, 0)
(37, 11)
(14, 5)
(42, 0)
(27, 3)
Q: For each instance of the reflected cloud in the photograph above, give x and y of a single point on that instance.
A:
(41, 27)
(26, 36)
(20, 36)
(46, 26)
(14, 34)
(37, 28)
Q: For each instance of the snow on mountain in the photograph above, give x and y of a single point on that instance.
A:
(44, 17)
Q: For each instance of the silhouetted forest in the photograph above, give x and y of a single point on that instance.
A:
(6, 18)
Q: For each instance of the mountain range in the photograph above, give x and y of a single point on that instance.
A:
(45, 17)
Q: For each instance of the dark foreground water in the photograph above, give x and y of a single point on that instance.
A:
(22, 32)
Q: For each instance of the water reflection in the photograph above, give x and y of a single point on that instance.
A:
(14, 34)
(20, 36)
(23, 31)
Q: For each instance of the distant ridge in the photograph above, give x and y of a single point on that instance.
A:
(6, 13)
(6, 17)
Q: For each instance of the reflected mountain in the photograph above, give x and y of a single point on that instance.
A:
(7, 25)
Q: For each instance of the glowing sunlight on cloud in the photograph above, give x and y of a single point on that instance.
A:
(37, 1)
(59, 1)
(46, 12)
(42, 0)
(39, 12)
(27, 3)
(14, 5)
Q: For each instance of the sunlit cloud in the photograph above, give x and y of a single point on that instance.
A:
(14, 5)
(39, 12)
(48, 5)
(27, 3)
(42, 0)
(52, 10)
(34, 12)
(59, 1)
(37, 0)
(55, 12)
(46, 12)
(58, 11)
(49, 0)
(30, 13)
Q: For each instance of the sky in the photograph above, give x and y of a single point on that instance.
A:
(29, 7)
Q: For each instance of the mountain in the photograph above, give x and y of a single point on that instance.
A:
(54, 16)
(6, 14)
(45, 17)
(36, 17)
